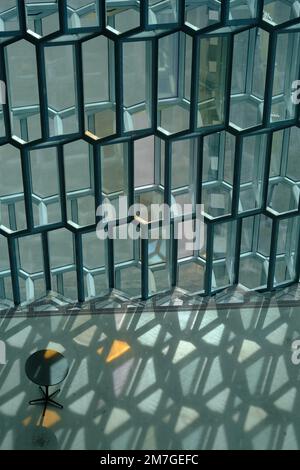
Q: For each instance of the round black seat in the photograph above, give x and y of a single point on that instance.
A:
(46, 368)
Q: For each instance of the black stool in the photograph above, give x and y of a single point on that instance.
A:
(47, 368)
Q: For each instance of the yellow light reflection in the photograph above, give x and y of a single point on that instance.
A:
(51, 418)
(117, 350)
(27, 421)
(100, 350)
(49, 354)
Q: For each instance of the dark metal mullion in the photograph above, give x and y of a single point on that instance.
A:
(46, 256)
(199, 175)
(266, 180)
(225, 8)
(209, 258)
(102, 14)
(13, 260)
(63, 16)
(22, 15)
(228, 79)
(42, 89)
(181, 13)
(97, 175)
(79, 266)
(155, 66)
(297, 263)
(27, 183)
(144, 9)
(273, 254)
(119, 87)
(130, 174)
(111, 260)
(238, 248)
(260, 9)
(5, 106)
(79, 88)
(195, 84)
(174, 253)
(270, 72)
(62, 183)
(145, 265)
(168, 173)
(237, 176)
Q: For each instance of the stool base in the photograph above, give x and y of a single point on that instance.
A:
(47, 399)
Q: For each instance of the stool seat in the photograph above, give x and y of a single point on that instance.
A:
(46, 368)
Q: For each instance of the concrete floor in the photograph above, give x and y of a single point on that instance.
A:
(186, 380)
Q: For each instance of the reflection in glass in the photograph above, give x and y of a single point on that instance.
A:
(174, 82)
(42, 17)
(80, 186)
(61, 90)
(284, 181)
(24, 103)
(250, 57)
(137, 85)
(99, 86)
(12, 207)
(45, 186)
(212, 80)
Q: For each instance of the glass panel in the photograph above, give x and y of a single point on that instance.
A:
(12, 207)
(280, 11)
(45, 186)
(243, 9)
(223, 255)
(212, 80)
(127, 251)
(80, 185)
(287, 251)
(149, 153)
(62, 263)
(62, 100)
(9, 15)
(252, 176)
(202, 13)
(42, 16)
(22, 82)
(255, 251)
(174, 82)
(31, 268)
(146, 165)
(114, 161)
(82, 13)
(250, 56)
(284, 184)
(218, 167)
(99, 86)
(137, 85)
(163, 11)
(94, 265)
(122, 16)
(191, 257)
(5, 278)
(286, 72)
(184, 174)
(159, 259)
